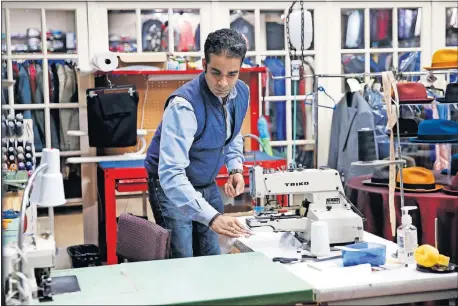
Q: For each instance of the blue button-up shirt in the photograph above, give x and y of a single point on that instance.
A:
(179, 125)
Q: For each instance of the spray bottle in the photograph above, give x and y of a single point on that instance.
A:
(407, 237)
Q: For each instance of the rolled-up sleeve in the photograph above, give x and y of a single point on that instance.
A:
(179, 125)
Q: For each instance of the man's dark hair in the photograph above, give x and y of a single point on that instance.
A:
(225, 41)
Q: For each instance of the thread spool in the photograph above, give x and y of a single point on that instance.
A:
(10, 128)
(20, 142)
(4, 143)
(28, 143)
(4, 150)
(20, 150)
(19, 117)
(11, 159)
(20, 157)
(10, 117)
(19, 128)
(367, 150)
(29, 165)
(30, 172)
(320, 245)
(21, 166)
(11, 151)
(28, 149)
(4, 167)
(28, 157)
(3, 128)
(4, 158)
(11, 142)
(13, 167)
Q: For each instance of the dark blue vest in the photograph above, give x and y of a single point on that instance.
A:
(209, 148)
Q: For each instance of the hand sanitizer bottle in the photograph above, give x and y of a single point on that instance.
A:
(407, 237)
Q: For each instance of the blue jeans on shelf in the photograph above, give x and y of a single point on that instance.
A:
(189, 238)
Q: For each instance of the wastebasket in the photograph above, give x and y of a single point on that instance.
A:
(84, 255)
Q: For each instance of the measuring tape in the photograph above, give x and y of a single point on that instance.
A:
(389, 85)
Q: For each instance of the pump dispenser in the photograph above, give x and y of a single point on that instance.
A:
(407, 237)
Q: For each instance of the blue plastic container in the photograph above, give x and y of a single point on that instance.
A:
(371, 253)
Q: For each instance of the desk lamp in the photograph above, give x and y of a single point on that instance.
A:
(38, 252)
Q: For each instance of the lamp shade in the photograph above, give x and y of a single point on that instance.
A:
(36, 189)
(50, 187)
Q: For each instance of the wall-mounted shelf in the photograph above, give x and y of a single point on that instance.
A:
(7, 83)
(173, 72)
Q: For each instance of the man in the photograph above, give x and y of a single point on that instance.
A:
(199, 133)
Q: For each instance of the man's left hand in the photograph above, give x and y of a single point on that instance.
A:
(235, 185)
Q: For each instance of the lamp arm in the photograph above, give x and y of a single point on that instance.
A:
(25, 200)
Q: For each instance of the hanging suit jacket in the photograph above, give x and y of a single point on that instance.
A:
(343, 148)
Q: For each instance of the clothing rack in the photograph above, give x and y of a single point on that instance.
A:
(353, 75)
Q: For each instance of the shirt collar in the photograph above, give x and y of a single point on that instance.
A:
(231, 95)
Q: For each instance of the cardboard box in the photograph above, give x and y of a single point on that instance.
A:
(157, 60)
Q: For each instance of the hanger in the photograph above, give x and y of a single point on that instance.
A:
(431, 90)
(377, 86)
(111, 89)
(236, 15)
(351, 86)
(321, 88)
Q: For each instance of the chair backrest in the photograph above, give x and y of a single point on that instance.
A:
(141, 240)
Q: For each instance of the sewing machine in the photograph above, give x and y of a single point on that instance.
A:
(40, 255)
(33, 256)
(318, 195)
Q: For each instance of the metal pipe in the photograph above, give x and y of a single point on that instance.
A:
(96, 159)
(284, 98)
(315, 122)
(355, 75)
(398, 147)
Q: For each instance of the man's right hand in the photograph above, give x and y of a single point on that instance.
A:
(229, 226)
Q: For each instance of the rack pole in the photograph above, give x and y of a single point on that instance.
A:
(356, 75)
(315, 121)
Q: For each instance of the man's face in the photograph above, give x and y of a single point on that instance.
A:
(222, 73)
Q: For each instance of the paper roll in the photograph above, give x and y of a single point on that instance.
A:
(106, 61)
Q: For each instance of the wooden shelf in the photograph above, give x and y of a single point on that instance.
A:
(173, 72)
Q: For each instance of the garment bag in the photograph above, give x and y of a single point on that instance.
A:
(112, 116)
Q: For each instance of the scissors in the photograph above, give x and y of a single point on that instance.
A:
(286, 260)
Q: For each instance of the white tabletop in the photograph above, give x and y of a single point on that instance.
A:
(337, 283)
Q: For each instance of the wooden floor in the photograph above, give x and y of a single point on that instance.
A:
(69, 229)
(68, 222)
